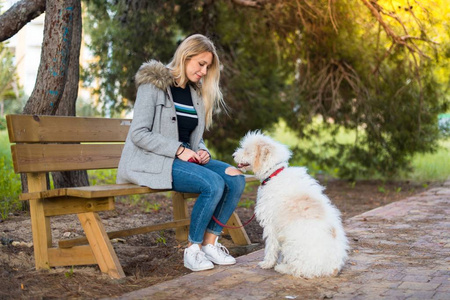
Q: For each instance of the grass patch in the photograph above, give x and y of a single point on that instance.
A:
(430, 166)
(425, 167)
(10, 185)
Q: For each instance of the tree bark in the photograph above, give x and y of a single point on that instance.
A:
(18, 16)
(55, 57)
(67, 106)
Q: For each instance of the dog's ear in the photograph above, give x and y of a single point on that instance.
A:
(262, 151)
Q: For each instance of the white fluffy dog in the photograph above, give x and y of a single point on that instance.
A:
(302, 228)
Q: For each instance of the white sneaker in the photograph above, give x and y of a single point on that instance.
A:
(195, 260)
(218, 254)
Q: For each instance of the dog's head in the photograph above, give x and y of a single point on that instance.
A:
(260, 153)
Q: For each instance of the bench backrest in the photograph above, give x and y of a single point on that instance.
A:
(84, 143)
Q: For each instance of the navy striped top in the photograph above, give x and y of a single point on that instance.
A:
(186, 113)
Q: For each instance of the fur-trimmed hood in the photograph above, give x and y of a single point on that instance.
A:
(156, 73)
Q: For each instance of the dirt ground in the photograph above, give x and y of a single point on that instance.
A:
(155, 257)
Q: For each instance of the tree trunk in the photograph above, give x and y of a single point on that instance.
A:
(67, 105)
(55, 56)
(56, 86)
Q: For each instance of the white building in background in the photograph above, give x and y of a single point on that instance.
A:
(27, 44)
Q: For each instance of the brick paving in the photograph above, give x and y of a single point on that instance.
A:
(399, 251)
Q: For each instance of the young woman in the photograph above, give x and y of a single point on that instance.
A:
(165, 149)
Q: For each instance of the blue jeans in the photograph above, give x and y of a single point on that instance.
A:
(219, 194)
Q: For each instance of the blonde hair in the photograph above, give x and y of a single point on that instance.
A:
(209, 86)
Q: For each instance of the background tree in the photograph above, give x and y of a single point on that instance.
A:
(124, 34)
(368, 67)
(376, 79)
(371, 67)
(8, 81)
(56, 87)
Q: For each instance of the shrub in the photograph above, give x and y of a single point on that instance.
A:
(2, 123)
(10, 187)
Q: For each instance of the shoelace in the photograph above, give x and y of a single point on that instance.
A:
(200, 256)
(222, 249)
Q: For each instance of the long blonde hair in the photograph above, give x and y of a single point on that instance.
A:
(209, 86)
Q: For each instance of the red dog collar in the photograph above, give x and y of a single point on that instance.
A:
(272, 175)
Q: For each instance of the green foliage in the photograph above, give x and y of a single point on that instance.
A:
(2, 123)
(107, 176)
(345, 76)
(69, 274)
(124, 34)
(86, 109)
(9, 89)
(151, 207)
(389, 103)
(247, 203)
(10, 185)
(421, 167)
(7, 71)
(430, 166)
(299, 62)
(161, 239)
(254, 74)
(251, 186)
(143, 202)
(10, 188)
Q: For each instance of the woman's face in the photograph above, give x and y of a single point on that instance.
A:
(198, 66)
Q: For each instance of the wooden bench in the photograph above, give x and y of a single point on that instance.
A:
(53, 143)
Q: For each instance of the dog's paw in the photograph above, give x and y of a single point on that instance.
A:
(283, 269)
(266, 264)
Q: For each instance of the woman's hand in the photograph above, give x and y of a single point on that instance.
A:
(186, 153)
(204, 156)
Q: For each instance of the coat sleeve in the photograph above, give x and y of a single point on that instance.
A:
(202, 146)
(142, 133)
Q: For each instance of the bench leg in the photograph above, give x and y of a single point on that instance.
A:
(101, 245)
(180, 211)
(239, 236)
(40, 224)
(42, 235)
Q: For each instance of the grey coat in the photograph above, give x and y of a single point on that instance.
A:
(152, 141)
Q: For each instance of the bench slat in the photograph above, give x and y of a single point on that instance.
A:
(43, 194)
(74, 205)
(109, 190)
(127, 232)
(96, 191)
(65, 157)
(79, 255)
(53, 129)
(99, 191)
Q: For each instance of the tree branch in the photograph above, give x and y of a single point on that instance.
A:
(18, 16)
(376, 13)
(377, 10)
